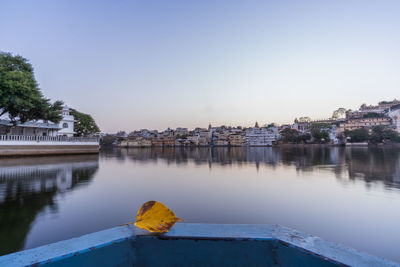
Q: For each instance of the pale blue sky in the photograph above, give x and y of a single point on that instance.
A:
(158, 64)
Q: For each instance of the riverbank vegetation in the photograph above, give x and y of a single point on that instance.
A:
(84, 124)
(378, 134)
(319, 133)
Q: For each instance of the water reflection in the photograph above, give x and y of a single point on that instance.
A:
(29, 185)
(344, 195)
(370, 164)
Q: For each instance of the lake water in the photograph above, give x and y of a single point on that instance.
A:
(350, 196)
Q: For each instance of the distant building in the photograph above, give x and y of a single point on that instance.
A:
(237, 140)
(394, 114)
(303, 127)
(181, 131)
(356, 123)
(155, 141)
(194, 139)
(168, 140)
(261, 136)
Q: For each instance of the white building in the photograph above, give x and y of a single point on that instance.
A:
(333, 134)
(181, 131)
(39, 127)
(261, 136)
(66, 125)
(394, 114)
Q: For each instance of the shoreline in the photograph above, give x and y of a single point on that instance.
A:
(277, 145)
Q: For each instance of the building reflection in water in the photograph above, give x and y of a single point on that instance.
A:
(285, 193)
(29, 185)
(370, 164)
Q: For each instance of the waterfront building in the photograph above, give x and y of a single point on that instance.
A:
(220, 138)
(333, 134)
(263, 136)
(303, 127)
(181, 131)
(363, 122)
(168, 140)
(155, 141)
(136, 142)
(180, 142)
(204, 141)
(194, 139)
(237, 140)
(146, 133)
(30, 128)
(221, 142)
(382, 108)
(39, 127)
(168, 132)
(394, 114)
(66, 125)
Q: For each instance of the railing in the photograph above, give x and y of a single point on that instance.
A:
(47, 138)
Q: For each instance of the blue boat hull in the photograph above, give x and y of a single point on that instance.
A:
(195, 245)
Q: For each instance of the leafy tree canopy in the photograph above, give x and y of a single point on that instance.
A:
(321, 125)
(107, 140)
(380, 133)
(84, 124)
(357, 135)
(304, 119)
(20, 95)
(289, 135)
(372, 115)
(294, 136)
(339, 113)
(320, 131)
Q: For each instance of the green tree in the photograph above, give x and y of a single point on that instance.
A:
(377, 134)
(20, 95)
(357, 135)
(320, 131)
(107, 140)
(84, 124)
(339, 113)
(389, 134)
(304, 119)
(290, 135)
(304, 137)
(372, 115)
(380, 134)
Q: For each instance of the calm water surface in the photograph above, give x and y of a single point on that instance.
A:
(350, 196)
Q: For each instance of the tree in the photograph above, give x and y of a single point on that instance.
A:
(107, 140)
(304, 137)
(290, 135)
(320, 131)
(372, 115)
(357, 135)
(304, 119)
(20, 95)
(389, 134)
(339, 113)
(380, 134)
(377, 134)
(84, 124)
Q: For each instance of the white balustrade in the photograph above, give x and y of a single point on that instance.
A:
(47, 138)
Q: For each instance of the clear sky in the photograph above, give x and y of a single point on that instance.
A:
(158, 64)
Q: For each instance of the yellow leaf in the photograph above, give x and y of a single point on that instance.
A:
(154, 216)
